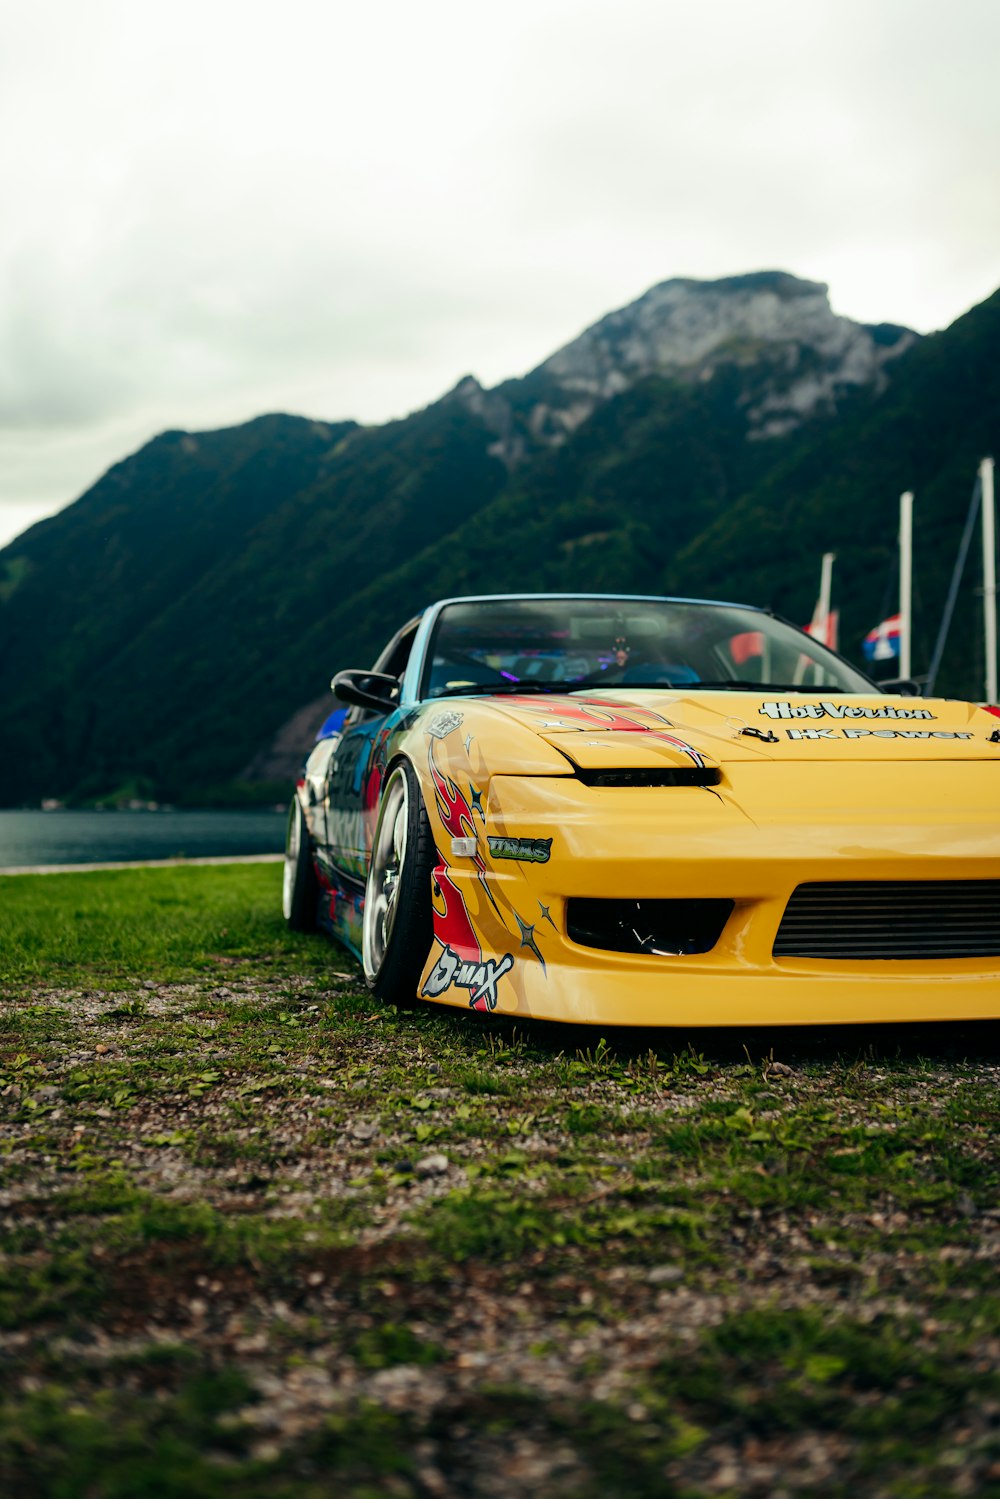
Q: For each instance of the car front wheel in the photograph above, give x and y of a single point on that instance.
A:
(397, 929)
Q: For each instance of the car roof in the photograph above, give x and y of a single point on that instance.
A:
(644, 598)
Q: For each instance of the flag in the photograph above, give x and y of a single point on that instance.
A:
(882, 643)
(825, 630)
(744, 647)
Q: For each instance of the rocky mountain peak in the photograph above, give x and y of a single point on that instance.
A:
(685, 329)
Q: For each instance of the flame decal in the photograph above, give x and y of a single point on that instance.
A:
(456, 815)
(682, 744)
(452, 925)
(592, 713)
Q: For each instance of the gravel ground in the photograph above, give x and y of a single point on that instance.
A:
(263, 1236)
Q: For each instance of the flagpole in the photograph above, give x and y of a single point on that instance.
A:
(822, 615)
(905, 580)
(989, 578)
(956, 583)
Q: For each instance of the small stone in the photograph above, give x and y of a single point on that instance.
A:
(432, 1165)
(781, 1069)
(661, 1274)
(364, 1130)
(100, 1048)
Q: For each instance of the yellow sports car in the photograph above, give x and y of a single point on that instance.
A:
(650, 811)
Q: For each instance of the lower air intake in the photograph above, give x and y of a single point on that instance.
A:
(892, 919)
(658, 927)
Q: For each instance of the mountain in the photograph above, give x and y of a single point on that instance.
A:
(172, 633)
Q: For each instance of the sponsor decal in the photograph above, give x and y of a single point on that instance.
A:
(442, 724)
(525, 850)
(840, 710)
(876, 734)
(480, 979)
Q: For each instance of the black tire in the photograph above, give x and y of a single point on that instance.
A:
(398, 925)
(299, 887)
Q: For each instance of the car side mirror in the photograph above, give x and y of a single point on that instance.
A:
(900, 686)
(367, 689)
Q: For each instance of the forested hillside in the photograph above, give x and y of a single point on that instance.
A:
(713, 439)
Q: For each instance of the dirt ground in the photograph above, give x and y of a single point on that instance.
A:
(266, 1237)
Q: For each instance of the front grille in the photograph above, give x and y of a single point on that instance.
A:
(892, 919)
(659, 927)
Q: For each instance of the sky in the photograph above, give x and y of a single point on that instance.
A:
(212, 210)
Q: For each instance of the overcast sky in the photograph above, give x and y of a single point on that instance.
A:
(214, 208)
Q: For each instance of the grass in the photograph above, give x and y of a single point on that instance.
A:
(116, 927)
(261, 1235)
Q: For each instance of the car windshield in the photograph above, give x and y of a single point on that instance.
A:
(565, 644)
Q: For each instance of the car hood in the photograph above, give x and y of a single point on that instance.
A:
(649, 728)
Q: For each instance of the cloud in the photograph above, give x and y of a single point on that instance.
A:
(216, 208)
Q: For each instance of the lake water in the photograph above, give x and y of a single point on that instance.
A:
(67, 837)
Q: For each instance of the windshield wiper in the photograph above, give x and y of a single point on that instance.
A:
(741, 686)
(492, 689)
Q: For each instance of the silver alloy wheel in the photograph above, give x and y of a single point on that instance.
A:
(293, 843)
(385, 872)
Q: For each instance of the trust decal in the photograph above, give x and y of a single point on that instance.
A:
(840, 710)
(524, 850)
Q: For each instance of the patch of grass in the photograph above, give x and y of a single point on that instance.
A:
(390, 1343)
(773, 1370)
(118, 927)
(60, 1444)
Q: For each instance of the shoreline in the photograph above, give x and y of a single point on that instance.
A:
(142, 864)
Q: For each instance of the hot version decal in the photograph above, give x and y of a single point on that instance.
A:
(840, 710)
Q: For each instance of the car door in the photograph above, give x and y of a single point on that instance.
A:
(351, 784)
